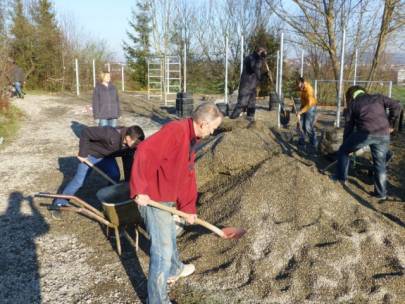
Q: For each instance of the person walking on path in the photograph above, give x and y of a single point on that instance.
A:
(307, 114)
(106, 104)
(17, 79)
(367, 124)
(100, 146)
(163, 171)
(249, 80)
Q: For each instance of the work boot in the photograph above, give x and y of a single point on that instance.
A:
(187, 270)
(237, 111)
(54, 208)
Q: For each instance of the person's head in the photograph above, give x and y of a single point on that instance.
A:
(105, 77)
(133, 136)
(353, 92)
(261, 51)
(301, 83)
(206, 119)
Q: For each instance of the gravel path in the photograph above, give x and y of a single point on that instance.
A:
(45, 260)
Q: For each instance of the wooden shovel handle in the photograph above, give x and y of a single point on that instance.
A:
(185, 215)
(98, 171)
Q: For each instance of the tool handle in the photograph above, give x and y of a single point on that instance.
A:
(98, 171)
(185, 215)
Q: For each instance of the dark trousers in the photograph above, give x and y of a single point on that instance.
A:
(379, 148)
(246, 102)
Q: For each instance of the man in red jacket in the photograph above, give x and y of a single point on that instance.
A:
(163, 171)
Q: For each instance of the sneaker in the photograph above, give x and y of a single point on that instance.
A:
(377, 196)
(188, 269)
(54, 208)
(337, 180)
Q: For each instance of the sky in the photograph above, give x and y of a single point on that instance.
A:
(103, 19)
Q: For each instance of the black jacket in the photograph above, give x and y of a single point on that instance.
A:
(101, 141)
(368, 113)
(106, 104)
(251, 73)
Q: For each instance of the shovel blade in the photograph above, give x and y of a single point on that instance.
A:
(233, 233)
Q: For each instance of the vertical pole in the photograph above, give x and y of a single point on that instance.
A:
(316, 89)
(355, 68)
(94, 73)
(226, 69)
(77, 77)
(277, 70)
(241, 53)
(390, 89)
(342, 65)
(108, 67)
(302, 64)
(280, 83)
(185, 69)
(122, 78)
(167, 65)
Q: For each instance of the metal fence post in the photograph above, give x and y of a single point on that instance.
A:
(77, 77)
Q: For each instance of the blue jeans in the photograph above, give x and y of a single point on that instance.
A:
(18, 90)
(307, 123)
(164, 258)
(379, 145)
(112, 122)
(107, 164)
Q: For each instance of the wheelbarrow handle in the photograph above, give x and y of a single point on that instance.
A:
(98, 171)
(198, 221)
(74, 199)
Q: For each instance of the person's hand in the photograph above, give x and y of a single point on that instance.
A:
(191, 218)
(142, 199)
(391, 130)
(82, 159)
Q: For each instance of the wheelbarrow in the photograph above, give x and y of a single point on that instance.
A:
(118, 211)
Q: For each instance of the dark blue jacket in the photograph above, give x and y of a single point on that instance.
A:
(368, 114)
(106, 104)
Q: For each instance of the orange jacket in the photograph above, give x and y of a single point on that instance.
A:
(308, 99)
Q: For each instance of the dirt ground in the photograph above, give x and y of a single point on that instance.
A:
(309, 240)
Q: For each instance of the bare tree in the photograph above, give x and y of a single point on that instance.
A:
(393, 19)
(320, 25)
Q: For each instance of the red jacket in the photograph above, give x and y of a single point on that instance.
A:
(163, 166)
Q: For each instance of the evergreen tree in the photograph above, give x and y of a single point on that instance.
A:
(22, 40)
(137, 49)
(48, 45)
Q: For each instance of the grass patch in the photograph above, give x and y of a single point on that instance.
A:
(9, 123)
(398, 93)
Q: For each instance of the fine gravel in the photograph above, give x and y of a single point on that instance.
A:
(308, 240)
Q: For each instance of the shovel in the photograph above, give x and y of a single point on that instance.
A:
(98, 171)
(301, 132)
(225, 233)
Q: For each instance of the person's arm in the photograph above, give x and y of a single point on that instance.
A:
(257, 68)
(118, 103)
(149, 155)
(88, 135)
(394, 108)
(349, 122)
(96, 103)
(187, 200)
(307, 99)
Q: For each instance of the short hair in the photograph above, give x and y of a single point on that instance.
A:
(135, 132)
(300, 79)
(351, 91)
(102, 74)
(207, 111)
